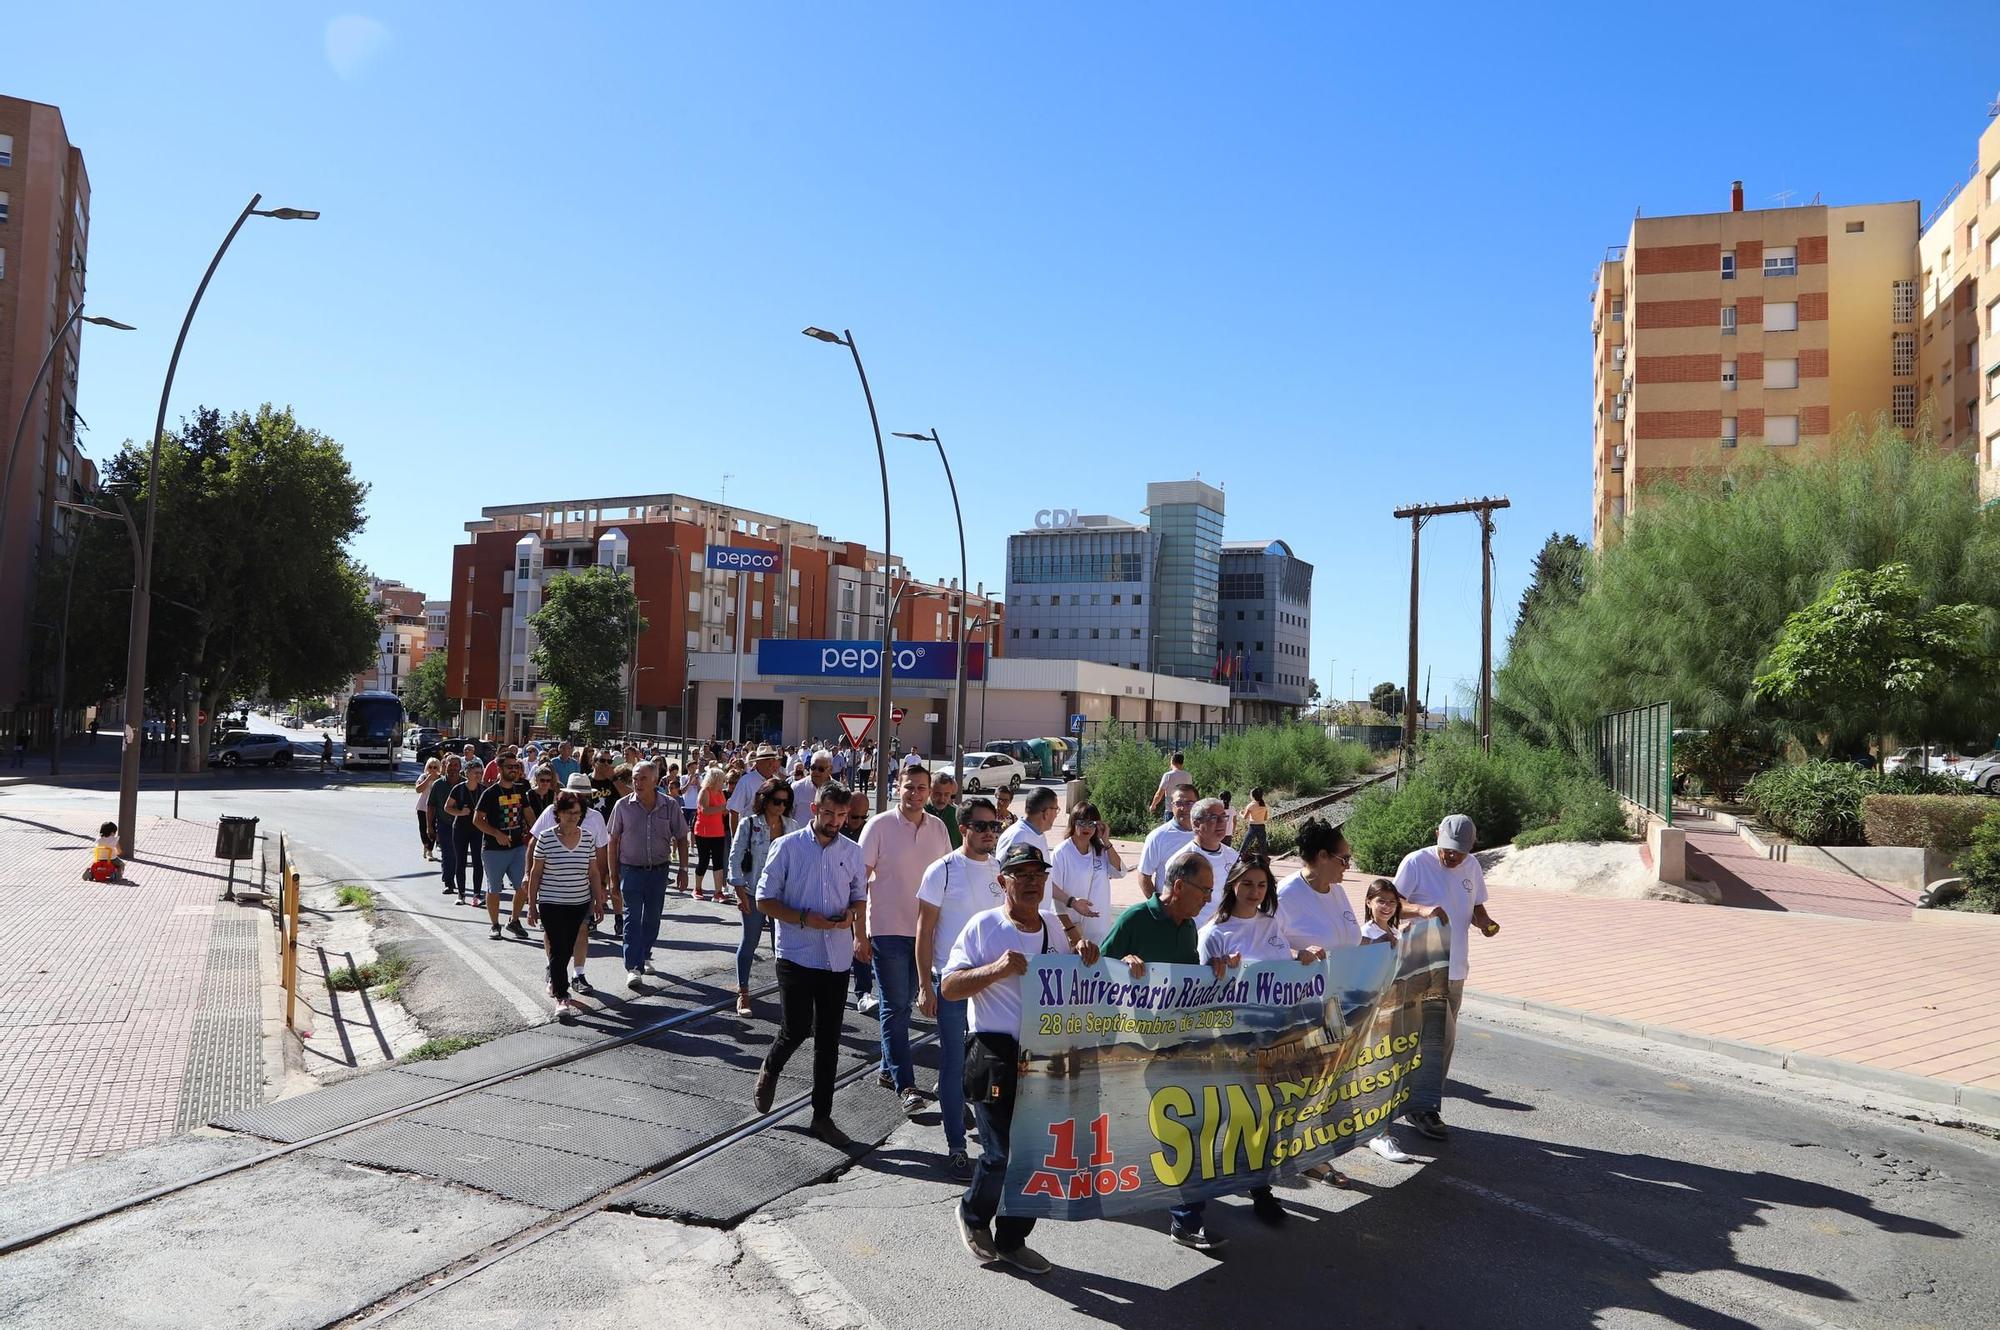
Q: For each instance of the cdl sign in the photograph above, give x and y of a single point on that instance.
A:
(1055, 519)
(832, 658)
(731, 559)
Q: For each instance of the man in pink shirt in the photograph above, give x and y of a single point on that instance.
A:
(897, 846)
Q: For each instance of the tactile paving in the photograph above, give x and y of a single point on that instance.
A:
(534, 1174)
(336, 1106)
(642, 1144)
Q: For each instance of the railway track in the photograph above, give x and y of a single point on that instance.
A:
(1306, 807)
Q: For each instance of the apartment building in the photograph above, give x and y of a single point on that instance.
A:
(1958, 351)
(1718, 332)
(402, 636)
(44, 237)
(821, 588)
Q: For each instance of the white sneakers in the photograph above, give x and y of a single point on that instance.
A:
(1385, 1145)
(634, 980)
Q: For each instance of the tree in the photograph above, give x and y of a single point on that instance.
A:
(254, 588)
(1866, 651)
(1556, 584)
(1386, 698)
(1312, 692)
(1689, 604)
(584, 632)
(424, 695)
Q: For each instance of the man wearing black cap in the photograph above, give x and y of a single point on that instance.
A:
(985, 971)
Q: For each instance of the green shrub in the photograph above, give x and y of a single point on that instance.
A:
(1388, 824)
(1121, 773)
(1981, 866)
(1928, 821)
(1819, 803)
(1281, 838)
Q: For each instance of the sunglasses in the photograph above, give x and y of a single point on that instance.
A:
(778, 803)
(1087, 823)
(984, 824)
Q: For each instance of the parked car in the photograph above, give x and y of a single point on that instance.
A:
(1021, 750)
(1939, 760)
(453, 744)
(418, 735)
(986, 771)
(241, 747)
(1982, 771)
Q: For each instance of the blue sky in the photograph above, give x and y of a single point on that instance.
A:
(1334, 262)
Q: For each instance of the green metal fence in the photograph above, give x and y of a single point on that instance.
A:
(1635, 756)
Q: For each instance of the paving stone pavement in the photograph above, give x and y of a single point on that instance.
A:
(128, 1010)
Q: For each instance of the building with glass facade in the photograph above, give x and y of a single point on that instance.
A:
(1265, 597)
(1082, 592)
(1186, 521)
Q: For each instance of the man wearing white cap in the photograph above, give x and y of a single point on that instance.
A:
(1448, 877)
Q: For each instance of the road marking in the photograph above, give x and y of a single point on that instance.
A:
(532, 1011)
(1714, 1293)
(823, 1301)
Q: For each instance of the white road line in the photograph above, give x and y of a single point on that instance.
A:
(532, 1010)
(822, 1300)
(1711, 1289)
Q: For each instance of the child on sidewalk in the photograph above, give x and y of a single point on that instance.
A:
(105, 865)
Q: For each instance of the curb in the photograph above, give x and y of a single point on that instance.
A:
(1926, 1089)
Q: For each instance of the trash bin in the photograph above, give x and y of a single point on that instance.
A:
(236, 838)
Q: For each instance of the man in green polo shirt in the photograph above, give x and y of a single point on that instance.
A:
(1161, 930)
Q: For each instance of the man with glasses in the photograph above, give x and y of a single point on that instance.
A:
(897, 847)
(1162, 931)
(501, 816)
(645, 828)
(815, 886)
(1168, 839)
(1210, 819)
(805, 790)
(944, 805)
(956, 887)
(1445, 877)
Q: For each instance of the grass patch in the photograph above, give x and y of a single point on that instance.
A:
(388, 967)
(433, 1049)
(358, 898)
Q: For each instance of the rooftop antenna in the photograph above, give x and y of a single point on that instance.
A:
(727, 476)
(1783, 197)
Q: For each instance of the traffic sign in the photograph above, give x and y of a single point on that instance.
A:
(600, 718)
(1076, 723)
(857, 726)
(896, 715)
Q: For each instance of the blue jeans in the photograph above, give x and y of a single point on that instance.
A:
(951, 1017)
(981, 1203)
(1439, 1038)
(864, 979)
(1189, 1216)
(645, 894)
(447, 853)
(506, 866)
(896, 975)
(753, 930)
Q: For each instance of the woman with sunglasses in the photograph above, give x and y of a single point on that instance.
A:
(770, 817)
(1081, 873)
(543, 789)
(565, 886)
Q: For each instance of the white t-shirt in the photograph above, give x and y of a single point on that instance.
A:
(989, 935)
(1089, 876)
(1372, 930)
(1257, 938)
(1021, 834)
(960, 888)
(802, 797)
(1423, 878)
(1221, 861)
(1172, 777)
(593, 824)
(1314, 919)
(1163, 843)
(744, 798)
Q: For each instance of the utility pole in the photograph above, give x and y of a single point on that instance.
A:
(1418, 514)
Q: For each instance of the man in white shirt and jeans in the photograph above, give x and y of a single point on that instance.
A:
(1449, 878)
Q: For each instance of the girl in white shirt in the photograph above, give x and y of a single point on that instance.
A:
(1389, 913)
(1081, 873)
(1245, 926)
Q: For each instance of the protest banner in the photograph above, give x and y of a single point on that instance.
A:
(1139, 1094)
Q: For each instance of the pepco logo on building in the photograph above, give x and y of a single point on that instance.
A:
(867, 659)
(1055, 519)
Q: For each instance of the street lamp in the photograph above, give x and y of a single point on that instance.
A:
(980, 626)
(884, 707)
(964, 607)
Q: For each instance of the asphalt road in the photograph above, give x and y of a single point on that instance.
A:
(1591, 1181)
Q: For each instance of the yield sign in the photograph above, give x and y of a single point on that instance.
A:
(857, 726)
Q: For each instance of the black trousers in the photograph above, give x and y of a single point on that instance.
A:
(810, 1004)
(467, 842)
(995, 1117)
(424, 830)
(560, 925)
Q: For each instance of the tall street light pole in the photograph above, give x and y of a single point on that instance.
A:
(142, 589)
(885, 709)
(964, 610)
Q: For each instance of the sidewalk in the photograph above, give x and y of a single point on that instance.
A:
(1899, 999)
(1748, 880)
(128, 1010)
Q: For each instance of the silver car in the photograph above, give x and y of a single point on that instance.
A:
(240, 747)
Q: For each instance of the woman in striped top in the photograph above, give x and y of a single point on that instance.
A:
(565, 888)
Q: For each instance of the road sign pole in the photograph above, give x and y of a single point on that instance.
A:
(736, 700)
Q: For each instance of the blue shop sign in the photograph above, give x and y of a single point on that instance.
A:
(735, 559)
(832, 658)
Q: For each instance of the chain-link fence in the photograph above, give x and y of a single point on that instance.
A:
(1635, 756)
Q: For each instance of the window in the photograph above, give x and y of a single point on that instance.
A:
(6, 149)
(1993, 382)
(1138, 600)
(1781, 374)
(1134, 632)
(1993, 249)
(1781, 261)
(1728, 265)
(1903, 354)
(1904, 292)
(1856, 228)
(1093, 634)
(1729, 376)
(1015, 601)
(1117, 598)
(1034, 600)
(1729, 431)
(1781, 429)
(1618, 309)
(1729, 320)
(1781, 316)
(3, 263)
(3, 205)
(1992, 185)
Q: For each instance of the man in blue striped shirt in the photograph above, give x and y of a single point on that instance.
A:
(815, 885)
